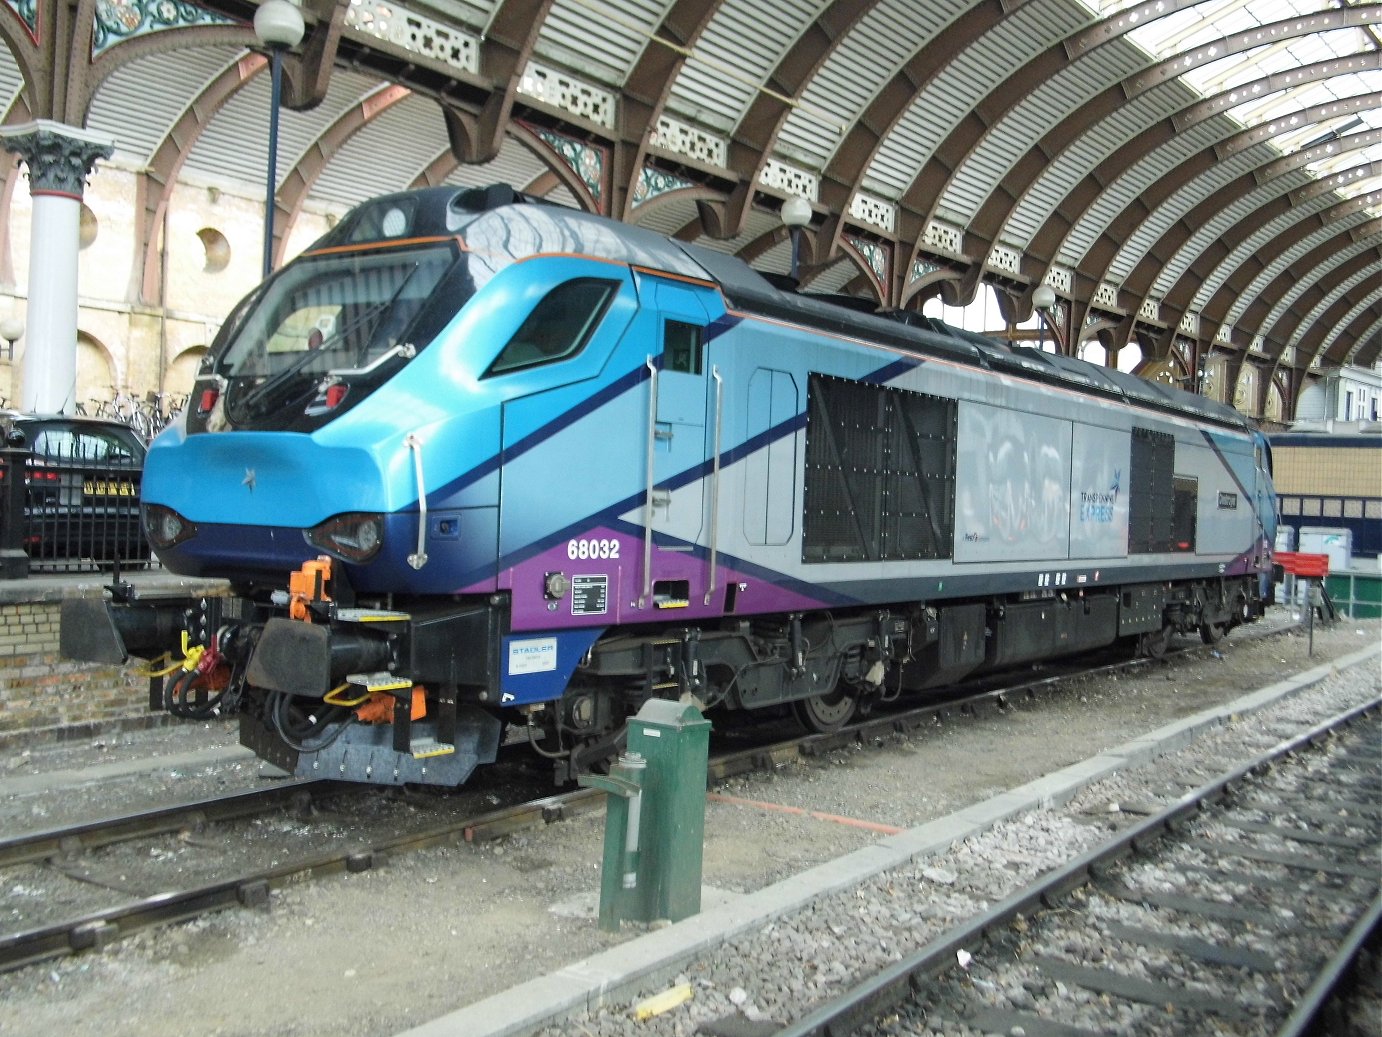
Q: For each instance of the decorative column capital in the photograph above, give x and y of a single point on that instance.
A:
(59, 157)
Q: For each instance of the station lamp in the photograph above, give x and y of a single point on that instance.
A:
(1044, 299)
(11, 330)
(796, 213)
(279, 26)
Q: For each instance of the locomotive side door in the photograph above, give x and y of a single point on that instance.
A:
(675, 510)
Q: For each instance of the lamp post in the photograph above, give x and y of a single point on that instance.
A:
(796, 213)
(1044, 298)
(11, 330)
(279, 26)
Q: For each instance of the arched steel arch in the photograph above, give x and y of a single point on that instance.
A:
(1243, 240)
(1313, 228)
(1289, 313)
(1096, 190)
(1316, 339)
(1282, 277)
(1153, 200)
(1191, 231)
(843, 177)
(1027, 171)
(1364, 276)
(1367, 336)
(297, 183)
(1101, 256)
(156, 182)
(1194, 133)
(645, 92)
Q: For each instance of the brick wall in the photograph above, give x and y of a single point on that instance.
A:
(46, 698)
(39, 689)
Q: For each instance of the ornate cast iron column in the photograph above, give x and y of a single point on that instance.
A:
(59, 159)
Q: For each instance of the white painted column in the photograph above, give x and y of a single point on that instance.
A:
(59, 159)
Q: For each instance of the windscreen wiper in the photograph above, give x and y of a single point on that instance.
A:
(264, 389)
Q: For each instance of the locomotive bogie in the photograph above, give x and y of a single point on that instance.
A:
(591, 465)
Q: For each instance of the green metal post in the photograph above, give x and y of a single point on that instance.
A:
(620, 896)
(675, 740)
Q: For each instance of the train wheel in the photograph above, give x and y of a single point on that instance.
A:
(1212, 633)
(825, 713)
(1153, 644)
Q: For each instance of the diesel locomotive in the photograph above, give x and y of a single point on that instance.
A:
(474, 461)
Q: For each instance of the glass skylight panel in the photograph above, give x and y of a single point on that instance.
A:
(1321, 46)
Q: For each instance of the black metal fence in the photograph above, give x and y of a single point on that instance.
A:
(75, 509)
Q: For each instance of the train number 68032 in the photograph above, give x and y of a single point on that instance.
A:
(581, 548)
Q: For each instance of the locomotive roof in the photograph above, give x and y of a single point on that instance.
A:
(500, 222)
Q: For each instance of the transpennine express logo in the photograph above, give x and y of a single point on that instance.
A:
(1097, 506)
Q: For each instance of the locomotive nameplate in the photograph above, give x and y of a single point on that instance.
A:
(589, 595)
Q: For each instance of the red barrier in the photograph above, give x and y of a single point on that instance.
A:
(1310, 566)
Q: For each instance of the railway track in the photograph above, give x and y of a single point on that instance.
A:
(1235, 910)
(94, 927)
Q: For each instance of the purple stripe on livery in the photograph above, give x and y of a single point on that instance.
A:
(600, 572)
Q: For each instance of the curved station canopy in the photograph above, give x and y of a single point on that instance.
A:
(1198, 179)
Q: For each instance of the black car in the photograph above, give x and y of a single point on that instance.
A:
(82, 504)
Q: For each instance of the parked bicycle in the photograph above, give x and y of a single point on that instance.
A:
(147, 417)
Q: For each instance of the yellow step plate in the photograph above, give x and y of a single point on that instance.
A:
(379, 681)
(370, 616)
(426, 748)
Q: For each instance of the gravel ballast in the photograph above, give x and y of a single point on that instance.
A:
(376, 953)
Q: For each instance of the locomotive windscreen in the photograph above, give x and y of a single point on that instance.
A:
(330, 319)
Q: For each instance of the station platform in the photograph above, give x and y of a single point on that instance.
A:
(655, 959)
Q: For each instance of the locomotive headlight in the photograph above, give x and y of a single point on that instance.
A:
(355, 536)
(165, 527)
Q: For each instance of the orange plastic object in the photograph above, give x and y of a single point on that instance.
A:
(1310, 566)
(379, 708)
(309, 584)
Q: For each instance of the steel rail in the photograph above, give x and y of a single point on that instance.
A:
(1308, 1018)
(102, 927)
(866, 1000)
(29, 847)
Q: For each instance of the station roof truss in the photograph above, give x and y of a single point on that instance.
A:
(1201, 178)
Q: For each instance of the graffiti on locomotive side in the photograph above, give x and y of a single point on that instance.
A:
(1013, 485)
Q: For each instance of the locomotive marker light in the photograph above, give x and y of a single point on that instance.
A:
(1044, 299)
(279, 26)
(796, 213)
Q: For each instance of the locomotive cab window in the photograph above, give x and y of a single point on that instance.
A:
(559, 326)
(682, 346)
